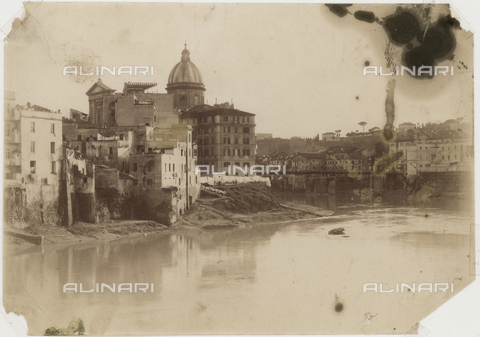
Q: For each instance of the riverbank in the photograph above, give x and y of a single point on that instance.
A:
(240, 205)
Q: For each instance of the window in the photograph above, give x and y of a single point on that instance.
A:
(225, 118)
(111, 150)
(134, 167)
(235, 141)
(246, 130)
(200, 141)
(205, 153)
(149, 182)
(32, 146)
(173, 167)
(52, 128)
(246, 141)
(149, 166)
(206, 141)
(226, 140)
(52, 147)
(33, 167)
(54, 167)
(121, 136)
(246, 152)
(181, 152)
(32, 127)
(169, 167)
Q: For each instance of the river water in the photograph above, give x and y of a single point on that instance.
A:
(287, 278)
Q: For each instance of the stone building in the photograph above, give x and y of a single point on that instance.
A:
(33, 157)
(164, 178)
(328, 136)
(404, 127)
(434, 155)
(225, 136)
(134, 106)
(77, 194)
(262, 136)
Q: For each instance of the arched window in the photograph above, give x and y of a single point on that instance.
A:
(182, 102)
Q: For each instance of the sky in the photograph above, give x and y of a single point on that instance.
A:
(298, 67)
(245, 57)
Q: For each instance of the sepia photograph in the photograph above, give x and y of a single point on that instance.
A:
(236, 168)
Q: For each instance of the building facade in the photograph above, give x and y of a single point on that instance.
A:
(134, 106)
(33, 159)
(434, 155)
(225, 136)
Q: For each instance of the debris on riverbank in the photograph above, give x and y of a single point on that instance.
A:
(251, 203)
(243, 204)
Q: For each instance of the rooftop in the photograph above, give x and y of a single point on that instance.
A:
(208, 110)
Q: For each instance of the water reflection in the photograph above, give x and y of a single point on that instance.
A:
(323, 200)
(256, 279)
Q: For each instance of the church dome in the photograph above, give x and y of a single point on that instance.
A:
(185, 71)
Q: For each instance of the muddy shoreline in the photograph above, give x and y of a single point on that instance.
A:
(201, 218)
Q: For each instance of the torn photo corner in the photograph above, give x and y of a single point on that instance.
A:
(220, 168)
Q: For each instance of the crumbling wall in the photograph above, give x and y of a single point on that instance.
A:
(113, 192)
(14, 210)
(111, 204)
(157, 205)
(33, 204)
